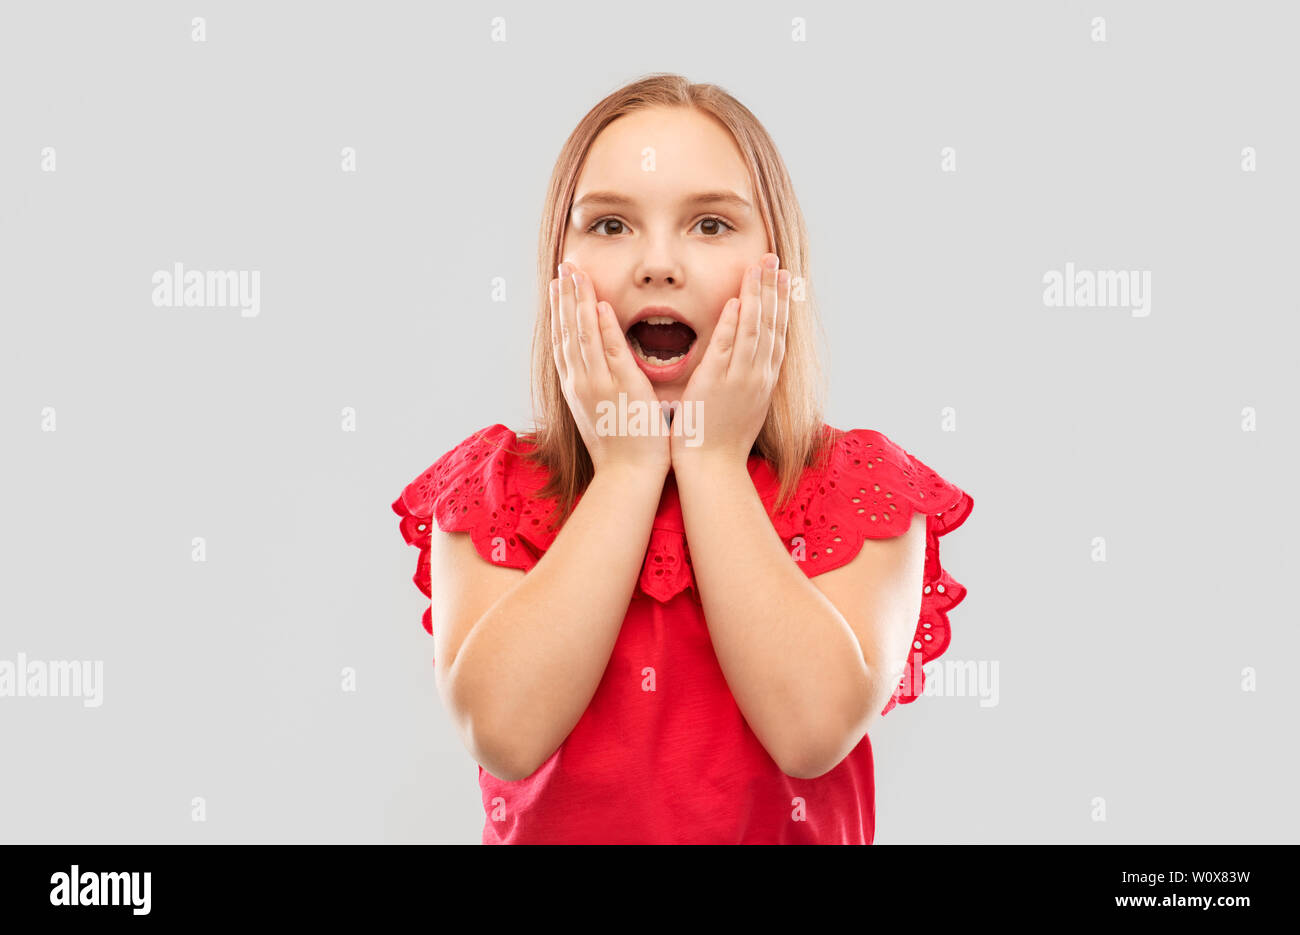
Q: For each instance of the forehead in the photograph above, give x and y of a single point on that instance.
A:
(662, 153)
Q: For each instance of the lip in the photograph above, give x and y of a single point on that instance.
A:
(651, 310)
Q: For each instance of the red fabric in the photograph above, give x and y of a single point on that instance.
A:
(680, 764)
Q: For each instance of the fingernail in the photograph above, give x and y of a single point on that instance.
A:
(771, 260)
(559, 271)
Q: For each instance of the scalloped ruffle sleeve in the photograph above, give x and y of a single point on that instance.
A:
(869, 489)
(483, 488)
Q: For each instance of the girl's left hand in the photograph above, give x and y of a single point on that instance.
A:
(731, 388)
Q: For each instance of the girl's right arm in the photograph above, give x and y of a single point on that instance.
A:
(521, 658)
(518, 678)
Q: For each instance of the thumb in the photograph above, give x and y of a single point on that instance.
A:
(718, 354)
(617, 351)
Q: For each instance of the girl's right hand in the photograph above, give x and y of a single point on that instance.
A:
(595, 365)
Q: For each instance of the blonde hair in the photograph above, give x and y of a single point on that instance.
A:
(791, 438)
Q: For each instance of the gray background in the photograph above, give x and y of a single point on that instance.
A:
(1119, 679)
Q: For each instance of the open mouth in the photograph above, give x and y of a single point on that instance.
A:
(660, 342)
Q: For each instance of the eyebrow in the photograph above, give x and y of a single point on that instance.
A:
(614, 199)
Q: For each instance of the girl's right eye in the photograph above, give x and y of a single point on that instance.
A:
(601, 221)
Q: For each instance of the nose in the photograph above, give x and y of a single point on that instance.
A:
(658, 262)
(660, 269)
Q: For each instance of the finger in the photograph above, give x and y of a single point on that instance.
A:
(767, 326)
(767, 315)
(747, 322)
(568, 325)
(557, 338)
(783, 290)
(616, 352)
(717, 357)
(589, 339)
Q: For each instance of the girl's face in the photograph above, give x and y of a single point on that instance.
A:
(653, 243)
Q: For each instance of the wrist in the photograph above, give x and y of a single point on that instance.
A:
(631, 474)
(708, 460)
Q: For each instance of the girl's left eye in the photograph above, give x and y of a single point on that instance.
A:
(713, 218)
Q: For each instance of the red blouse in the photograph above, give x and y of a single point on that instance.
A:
(671, 760)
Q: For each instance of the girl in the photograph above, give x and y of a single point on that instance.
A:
(678, 630)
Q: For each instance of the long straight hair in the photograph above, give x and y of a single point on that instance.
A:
(792, 437)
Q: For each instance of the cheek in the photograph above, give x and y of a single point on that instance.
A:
(579, 251)
(722, 290)
(593, 266)
(733, 280)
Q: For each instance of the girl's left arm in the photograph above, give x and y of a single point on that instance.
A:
(810, 665)
(809, 676)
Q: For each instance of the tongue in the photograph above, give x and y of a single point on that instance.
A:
(663, 340)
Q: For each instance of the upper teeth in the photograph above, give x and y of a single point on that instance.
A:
(659, 320)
